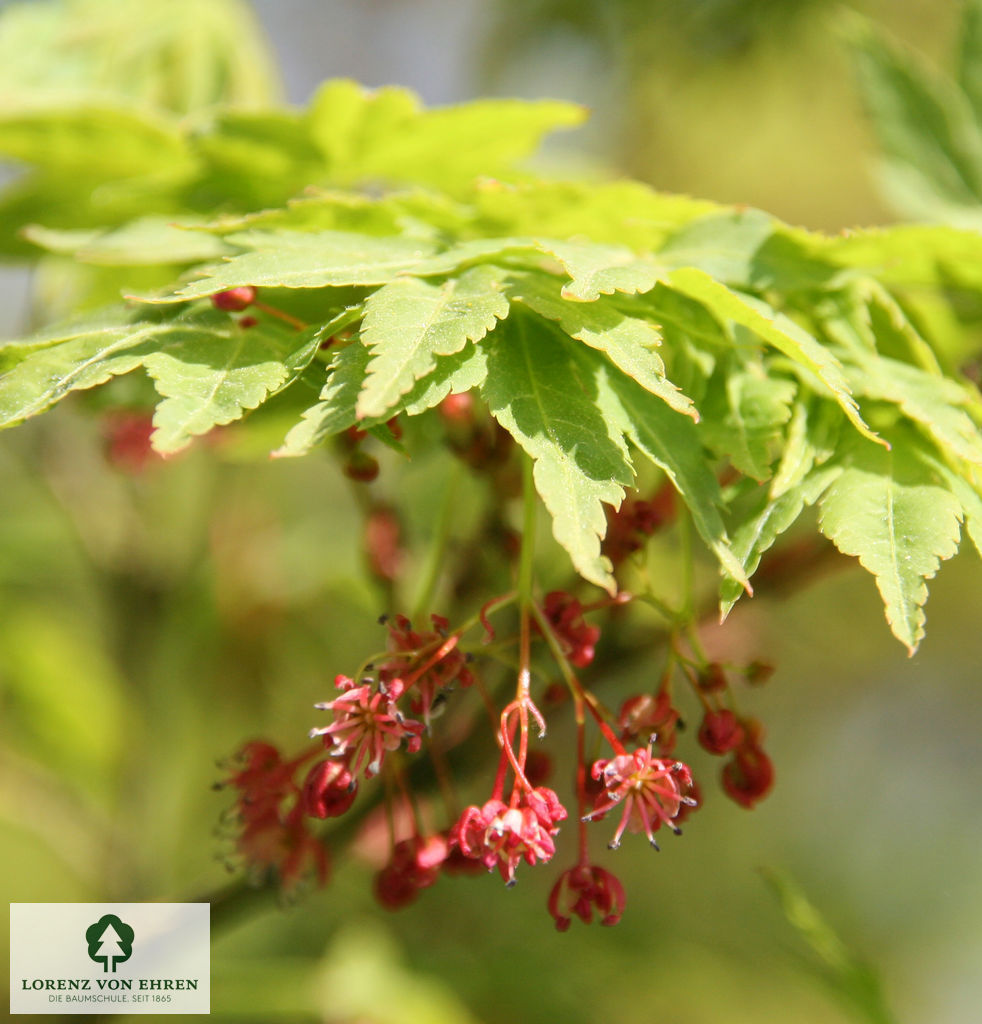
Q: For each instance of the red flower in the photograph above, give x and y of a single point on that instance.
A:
(415, 864)
(636, 519)
(502, 836)
(128, 440)
(720, 732)
(329, 789)
(286, 847)
(651, 789)
(749, 776)
(650, 716)
(441, 664)
(583, 889)
(367, 724)
(274, 835)
(577, 639)
(263, 780)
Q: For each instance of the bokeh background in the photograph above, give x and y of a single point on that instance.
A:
(151, 622)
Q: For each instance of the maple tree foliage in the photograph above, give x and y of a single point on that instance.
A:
(603, 325)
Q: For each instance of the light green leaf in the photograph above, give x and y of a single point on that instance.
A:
(772, 517)
(306, 260)
(207, 367)
(453, 375)
(935, 402)
(409, 322)
(536, 393)
(477, 250)
(147, 241)
(596, 270)
(617, 212)
(206, 385)
(966, 487)
(383, 135)
(628, 341)
(745, 420)
(344, 117)
(683, 318)
(672, 443)
(888, 509)
(866, 319)
(112, 140)
(921, 255)
(70, 357)
(811, 440)
(749, 249)
(335, 408)
(481, 138)
(863, 322)
(776, 330)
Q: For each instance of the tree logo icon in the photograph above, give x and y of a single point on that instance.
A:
(110, 941)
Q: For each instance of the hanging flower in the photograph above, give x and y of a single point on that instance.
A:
(650, 789)
(583, 889)
(367, 724)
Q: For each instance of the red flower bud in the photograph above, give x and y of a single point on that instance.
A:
(749, 777)
(329, 789)
(361, 467)
(720, 731)
(234, 300)
(457, 408)
(712, 679)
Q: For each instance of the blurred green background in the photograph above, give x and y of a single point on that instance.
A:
(151, 622)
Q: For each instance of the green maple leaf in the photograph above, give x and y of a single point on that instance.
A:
(207, 368)
(888, 509)
(410, 322)
(534, 391)
(316, 259)
(629, 342)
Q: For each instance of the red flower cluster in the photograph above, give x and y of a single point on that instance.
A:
(391, 702)
(636, 520)
(577, 639)
(270, 811)
(650, 718)
(414, 865)
(749, 774)
(435, 667)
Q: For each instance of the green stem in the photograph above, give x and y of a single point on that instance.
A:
(569, 677)
(528, 536)
(438, 548)
(688, 569)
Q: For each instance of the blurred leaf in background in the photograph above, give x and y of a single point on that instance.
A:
(746, 101)
(848, 977)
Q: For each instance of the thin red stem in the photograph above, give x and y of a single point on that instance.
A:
(581, 780)
(264, 307)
